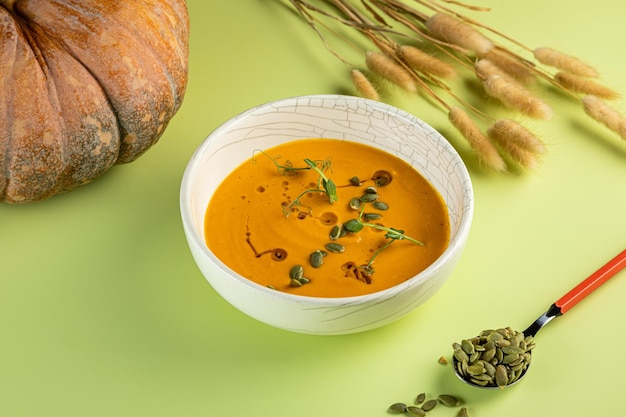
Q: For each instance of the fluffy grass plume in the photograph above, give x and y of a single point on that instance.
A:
(568, 63)
(484, 149)
(457, 32)
(426, 63)
(387, 68)
(510, 92)
(603, 113)
(517, 141)
(584, 85)
(363, 85)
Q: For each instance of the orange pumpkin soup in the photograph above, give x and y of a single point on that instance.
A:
(326, 218)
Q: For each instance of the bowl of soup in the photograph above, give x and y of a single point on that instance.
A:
(326, 214)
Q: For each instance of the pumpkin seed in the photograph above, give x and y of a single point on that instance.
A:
(510, 358)
(468, 346)
(304, 280)
(512, 349)
(477, 369)
(355, 181)
(397, 408)
(316, 259)
(372, 216)
(379, 205)
(335, 247)
(449, 400)
(368, 198)
(488, 355)
(355, 203)
(502, 376)
(420, 398)
(296, 272)
(502, 343)
(429, 405)
(295, 283)
(415, 411)
(482, 383)
(371, 190)
(335, 232)
(489, 369)
(460, 355)
(382, 178)
(462, 412)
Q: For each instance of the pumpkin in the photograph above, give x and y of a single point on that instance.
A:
(84, 85)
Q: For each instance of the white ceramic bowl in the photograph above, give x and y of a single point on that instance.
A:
(338, 117)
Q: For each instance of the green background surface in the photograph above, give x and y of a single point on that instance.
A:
(104, 313)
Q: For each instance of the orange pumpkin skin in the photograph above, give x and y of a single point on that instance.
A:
(84, 85)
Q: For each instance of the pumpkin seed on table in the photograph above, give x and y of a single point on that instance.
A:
(420, 398)
(462, 412)
(429, 405)
(449, 400)
(415, 411)
(397, 408)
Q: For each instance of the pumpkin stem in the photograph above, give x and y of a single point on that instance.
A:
(7, 4)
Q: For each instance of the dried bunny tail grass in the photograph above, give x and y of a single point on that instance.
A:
(517, 141)
(584, 85)
(486, 152)
(513, 131)
(571, 64)
(601, 112)
(387, 68)
(426, 63)
(363, 85)
(457, 32)
(510, 92)
(511, 66)
(486, 67)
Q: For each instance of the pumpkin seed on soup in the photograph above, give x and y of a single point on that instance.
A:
(316, 259)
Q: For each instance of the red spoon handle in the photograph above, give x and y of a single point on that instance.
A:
(596, 279)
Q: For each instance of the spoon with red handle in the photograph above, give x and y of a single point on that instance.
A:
(563, 305)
